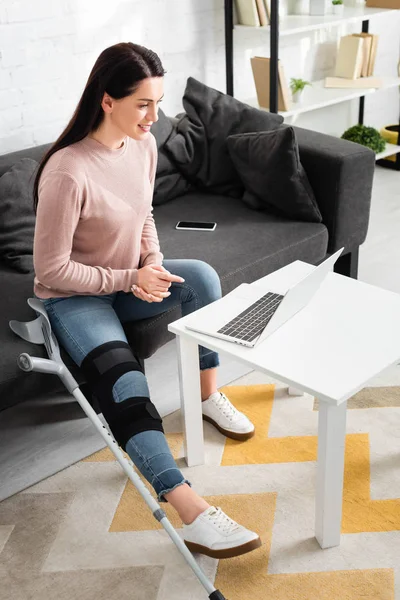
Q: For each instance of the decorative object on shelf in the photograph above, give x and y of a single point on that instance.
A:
(391, 133)
(260, 66)
(301, 7)
(366, 136)
(318, 7)
(297, 87)
(337, 7)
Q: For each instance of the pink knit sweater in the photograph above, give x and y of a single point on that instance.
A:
(94, 223)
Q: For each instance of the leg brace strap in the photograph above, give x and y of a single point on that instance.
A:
(103, 366)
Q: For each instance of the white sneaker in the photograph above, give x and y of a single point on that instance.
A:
(219, 411)
(214, 534)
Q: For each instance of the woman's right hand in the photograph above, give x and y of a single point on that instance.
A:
(155, 281)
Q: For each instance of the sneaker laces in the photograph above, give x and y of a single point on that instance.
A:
(226, 407)
(222, 521)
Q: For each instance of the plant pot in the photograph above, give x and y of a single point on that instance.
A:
(391, 133)
(337, 9)
(297, 96)
(318, 7)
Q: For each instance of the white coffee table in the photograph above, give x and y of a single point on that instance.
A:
(348, 333)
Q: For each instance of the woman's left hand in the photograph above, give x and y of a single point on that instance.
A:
(142, 295)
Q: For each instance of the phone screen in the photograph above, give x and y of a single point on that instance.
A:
(195, 225)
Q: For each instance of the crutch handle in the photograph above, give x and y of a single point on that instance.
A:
(43, 365)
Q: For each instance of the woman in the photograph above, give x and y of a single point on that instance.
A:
(98, 264)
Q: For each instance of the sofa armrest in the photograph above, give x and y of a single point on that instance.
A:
(341, 175)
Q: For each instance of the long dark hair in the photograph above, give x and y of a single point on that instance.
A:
(118, 71)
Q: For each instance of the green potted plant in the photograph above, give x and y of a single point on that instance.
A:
(337, 7)
(366, 136)
(297, 87)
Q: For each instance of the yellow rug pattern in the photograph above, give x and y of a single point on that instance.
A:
(247, 577)
(86, 532)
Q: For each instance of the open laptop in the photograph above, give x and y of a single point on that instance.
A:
(250, 313)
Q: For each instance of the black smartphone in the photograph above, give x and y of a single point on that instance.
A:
(196, 225)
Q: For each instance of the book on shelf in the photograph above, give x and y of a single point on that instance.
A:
(384, 3)
(360, 83)
(262, 12)
(349, 60)
(367, 37)
(369, 50)
(247, 13)
(260, 66)
(268, 9)
(372, 56)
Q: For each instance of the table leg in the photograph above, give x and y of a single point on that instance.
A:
(189, 382)
(330, 471)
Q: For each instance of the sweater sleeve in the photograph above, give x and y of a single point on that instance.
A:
(150, 246)
(58, 213)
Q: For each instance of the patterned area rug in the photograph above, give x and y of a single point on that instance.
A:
(85, 532)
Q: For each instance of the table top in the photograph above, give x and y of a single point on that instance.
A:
(348, 333)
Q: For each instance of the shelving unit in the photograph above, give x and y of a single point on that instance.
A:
(317, 96)
(389, 151)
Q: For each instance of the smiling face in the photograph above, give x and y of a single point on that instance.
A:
(134, 115)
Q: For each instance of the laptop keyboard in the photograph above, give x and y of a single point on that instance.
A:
(252, 321)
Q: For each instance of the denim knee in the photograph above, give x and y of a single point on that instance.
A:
(150, 453)
(208, 359)
(130, 384)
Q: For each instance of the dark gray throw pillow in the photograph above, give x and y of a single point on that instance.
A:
(17, 218)
(268, 164)
(198, 146)
(169, 183)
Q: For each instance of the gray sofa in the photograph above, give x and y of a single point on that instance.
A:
(246, 245)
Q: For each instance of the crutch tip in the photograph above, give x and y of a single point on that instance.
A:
(216, 595)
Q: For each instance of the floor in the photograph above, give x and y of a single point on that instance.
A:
(30, 453)
(380, 254)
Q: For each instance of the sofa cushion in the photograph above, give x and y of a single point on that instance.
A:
(162, 128)
(35, 153)
(15, 385)
(268, 163)
(170, 182)
(245, 245)
(17, 218)
(198, 146)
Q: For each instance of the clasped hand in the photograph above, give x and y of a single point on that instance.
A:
(153, 283)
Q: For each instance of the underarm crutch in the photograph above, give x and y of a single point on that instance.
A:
(39, 332)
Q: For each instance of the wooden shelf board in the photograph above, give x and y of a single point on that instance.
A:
(317, 96)
(389, 150)
(292, 24)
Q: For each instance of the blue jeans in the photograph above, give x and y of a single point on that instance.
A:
(82, 323)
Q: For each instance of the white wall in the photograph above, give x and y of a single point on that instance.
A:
(47, 49)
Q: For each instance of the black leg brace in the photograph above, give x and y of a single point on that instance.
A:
(102, 367)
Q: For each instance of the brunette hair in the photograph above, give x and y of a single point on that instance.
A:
(118, 71)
